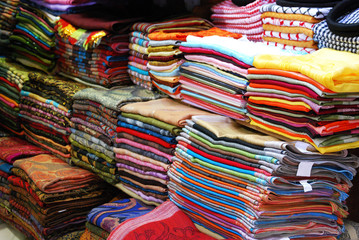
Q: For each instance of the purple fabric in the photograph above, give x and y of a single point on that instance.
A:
(150, 173)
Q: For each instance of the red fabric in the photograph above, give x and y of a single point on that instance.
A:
(146, 137)
(166, 221)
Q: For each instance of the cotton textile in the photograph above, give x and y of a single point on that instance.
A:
(229, 179)
(244, 19)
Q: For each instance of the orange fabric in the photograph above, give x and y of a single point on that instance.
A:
(181, 36)
(280, 105)
(291, 16)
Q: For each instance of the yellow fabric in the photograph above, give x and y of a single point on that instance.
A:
(336, 70)
(291, 16)
(292, 103)
(303, 44)
(323, 150)
(284, 29)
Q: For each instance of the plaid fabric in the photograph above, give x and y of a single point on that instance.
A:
(288, 47)
(314, 12)
(288, 36)
(287, 23)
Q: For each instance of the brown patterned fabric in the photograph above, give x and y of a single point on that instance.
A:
(52, 175)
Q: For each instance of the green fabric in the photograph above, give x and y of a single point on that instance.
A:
(92, 145)
(90, 150)
(173, 129)
(24, 40)
(97, 230)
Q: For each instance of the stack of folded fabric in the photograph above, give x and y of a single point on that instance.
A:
(12, 149)
(93, 127)
(244, 184)
(240, 16)
(7, 21)
(102, 220)
(146, 138)
(93, 48)
(12, 78)
(289, 24)
(339, 30)
(214, 77)
(33, 39)
(165, 75)
(313, 97)
(140, 43)
(45, 110)
(53, 198)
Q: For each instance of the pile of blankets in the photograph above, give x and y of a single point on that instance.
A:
(12, 149)
(155, 57)
(93, 48)
(102, 220)
(45, 112)
(289, 24)
(145, 143)
(7, 21)
(338, 31)
(12, 78)
(240, 17)
(93, 127)
(46, 193)
(244, 184)
(33, 39)
(214, 76)
(313, 97)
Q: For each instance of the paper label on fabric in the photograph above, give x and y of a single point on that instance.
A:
(302, 146)
(304, 169)
(306, 186)
(285, 238)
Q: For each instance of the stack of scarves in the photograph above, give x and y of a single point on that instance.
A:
(33, 39)
(166, 221)
(338, 31)
(145, 142)
(45, 112)
(12, 149)
(51, 198)
(312, 98)
(165, 75)
(247, 185)
(291, 27)
(93, 127)
(12, 78)
(140, 46)
(244, 18)
(102, 220)
(7, 20)
(214, 76)
(93, 48)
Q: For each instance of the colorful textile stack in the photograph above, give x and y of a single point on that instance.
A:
(145, 144)
(154, 46)
(242, 17)
(93, 127)
(102, 220)
(214, 77)
(12, 149)
(12, 78)
(52, 198)
(337, 31)
(167, 221)
(312, 98)
(45, 110)
(291, 27)
(93, 48)
(246, 185)
(33, 39)
(7, 21)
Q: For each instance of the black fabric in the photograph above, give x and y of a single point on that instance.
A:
(307, 3)
(240, 3)
(343, 29)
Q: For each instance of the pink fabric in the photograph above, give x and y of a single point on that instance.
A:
(143, 147)
(138, 65)
(228, 7)
(139, 162)
(217, 63)
(241, 21)
(22, 106)
(12, 105)
(44, 120)
(52, 107)
(66, 2)
(245, 27)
